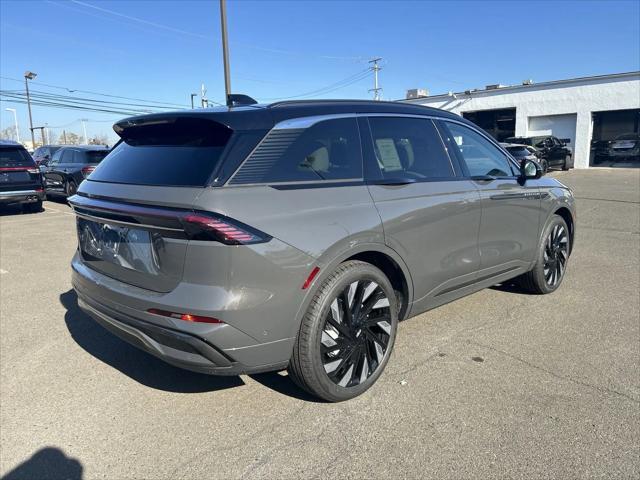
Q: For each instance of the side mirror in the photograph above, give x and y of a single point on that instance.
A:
(530, 170)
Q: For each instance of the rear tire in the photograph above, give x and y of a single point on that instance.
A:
(71, 188)
(565, 165)
(34, 207)
(552, 259)
(347, 335)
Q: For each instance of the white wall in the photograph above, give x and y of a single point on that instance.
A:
(580, 97)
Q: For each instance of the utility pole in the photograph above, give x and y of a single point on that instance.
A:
(15, 121)
(46, 129)
(203, 96)
(64, 136)
(225, 52)
(84, 129)
(376, 68)
(30, 76)
(192, 96)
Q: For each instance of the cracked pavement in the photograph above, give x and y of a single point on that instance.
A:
(499, 384)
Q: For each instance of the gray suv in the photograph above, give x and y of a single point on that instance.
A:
(298, 234)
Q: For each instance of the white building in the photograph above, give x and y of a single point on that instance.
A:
(580, 109)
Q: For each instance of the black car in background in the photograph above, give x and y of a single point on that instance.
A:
(554, 151)
(525, 152)
(69, 166)
(43, 154)
(20, 179)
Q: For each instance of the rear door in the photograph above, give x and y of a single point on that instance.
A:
(18, 171)
(56, 172)
(430, 213)
(510, 209)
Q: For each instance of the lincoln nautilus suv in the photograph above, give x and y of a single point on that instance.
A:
(297, 235)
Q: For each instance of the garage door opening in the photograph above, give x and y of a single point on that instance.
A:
(615, 141)
(500, 124)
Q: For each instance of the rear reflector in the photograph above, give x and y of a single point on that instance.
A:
(187, 317)
(310, 278)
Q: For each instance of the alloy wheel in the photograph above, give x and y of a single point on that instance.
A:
(356, 333)
(556, 254)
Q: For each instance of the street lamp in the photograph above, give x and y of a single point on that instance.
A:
(15, 121)
(192, 96)
(30, 76)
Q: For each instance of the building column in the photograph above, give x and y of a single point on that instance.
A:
(582, 148)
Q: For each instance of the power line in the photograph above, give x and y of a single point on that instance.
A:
(332, 87)
(73, 90)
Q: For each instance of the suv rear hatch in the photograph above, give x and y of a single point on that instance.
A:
(18, 171)
(135, 214)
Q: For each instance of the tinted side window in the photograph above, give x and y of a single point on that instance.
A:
(409, 148)
(328, 150)
(479, 154)
(78, 157)
(67, 156)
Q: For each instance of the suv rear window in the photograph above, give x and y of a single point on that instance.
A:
(175, 151)
(15, 157)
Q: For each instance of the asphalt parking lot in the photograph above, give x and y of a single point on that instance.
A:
(498, 384)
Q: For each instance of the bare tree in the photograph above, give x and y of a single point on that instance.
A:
(8, 133)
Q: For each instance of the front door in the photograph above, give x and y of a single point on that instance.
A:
(430, 214)
(508, 236)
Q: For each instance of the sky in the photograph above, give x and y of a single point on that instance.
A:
(162, 51)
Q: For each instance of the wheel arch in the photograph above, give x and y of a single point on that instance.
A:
(566, 215)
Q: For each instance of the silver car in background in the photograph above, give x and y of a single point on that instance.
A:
(298, 234)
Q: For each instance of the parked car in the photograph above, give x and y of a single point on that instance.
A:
(526, 152)
(296, 235)
(43, 154)
(600, 150)
(69, 166)
(625, 147)
(20, 178)
(554, 151)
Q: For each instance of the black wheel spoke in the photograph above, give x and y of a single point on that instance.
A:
(356, 334)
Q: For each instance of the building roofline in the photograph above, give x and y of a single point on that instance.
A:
(611, 76)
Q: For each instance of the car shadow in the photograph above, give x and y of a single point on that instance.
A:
(49, 462)
(511, 286)
(136, 364)
(152, 372)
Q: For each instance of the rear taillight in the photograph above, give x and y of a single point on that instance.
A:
(209, 226)
(87, 170)
(186, 317)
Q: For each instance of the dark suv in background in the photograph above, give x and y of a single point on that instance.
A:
(69, 166)
(552, 150)
(297, 235)
(20, 178)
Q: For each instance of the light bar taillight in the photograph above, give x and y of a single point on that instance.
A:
(187, 317)
(208, 226)
(87, 170)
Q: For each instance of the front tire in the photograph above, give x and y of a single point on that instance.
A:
(71, 188)
(552, 258)
(347, 335)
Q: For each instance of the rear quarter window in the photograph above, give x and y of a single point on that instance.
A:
(328, 150)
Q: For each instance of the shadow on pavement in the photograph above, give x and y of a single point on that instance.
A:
(136, 364)
(511, 286)
(50, 462)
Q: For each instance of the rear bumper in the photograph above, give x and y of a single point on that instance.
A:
(21, 196)
(215, 349)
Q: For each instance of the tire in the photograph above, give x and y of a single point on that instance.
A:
(71, 188)
(565, 165)
(336, 356)
(545, 166)
(551, 260)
